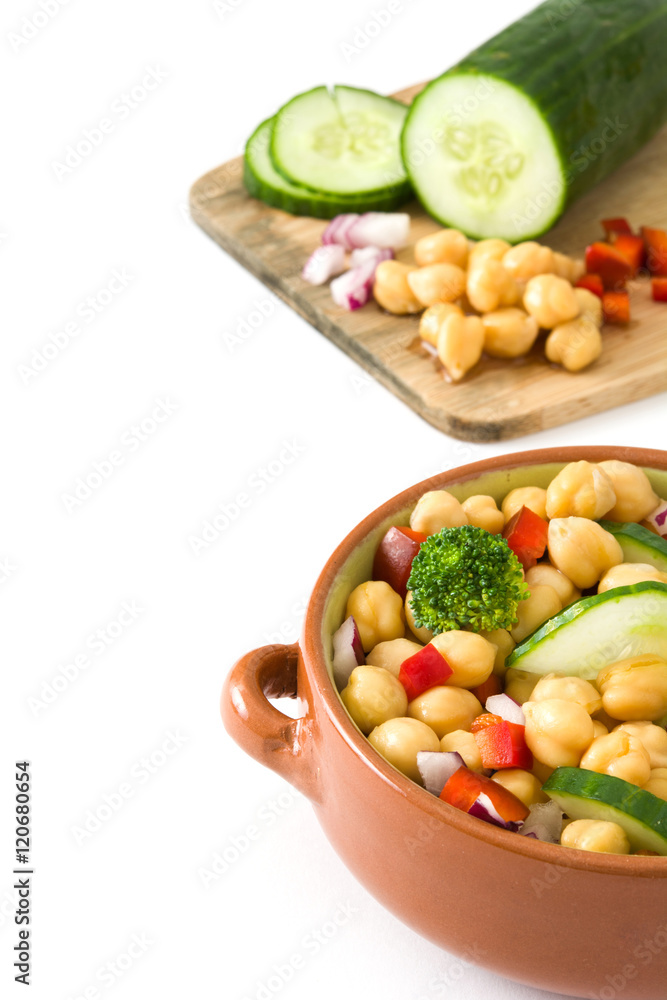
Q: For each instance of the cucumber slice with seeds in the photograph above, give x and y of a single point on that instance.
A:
(583, 794)
(263, 181)
(344, 141)
(598, 630)
(473, 172)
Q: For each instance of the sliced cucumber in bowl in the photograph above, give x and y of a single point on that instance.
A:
(584, 794)
(596, 631)
(342, 141)
(639, 544)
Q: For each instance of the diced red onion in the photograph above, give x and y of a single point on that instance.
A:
(658, 517)
(380, 229)
(544, 822)
(354, 288)
(365, 254)
(348, 652)
(506, 708)
(324, 263)
(337, 230)
(436, 768)
(484, 809)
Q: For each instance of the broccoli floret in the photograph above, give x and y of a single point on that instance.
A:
(465, 578)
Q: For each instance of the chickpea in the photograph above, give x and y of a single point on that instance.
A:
(597, 835)
(568, 689)
(460, 344)
(635, 689)
(574, 345)
(487, 250)
(433, 318)
(590, 305)
(483, 512)
(423, 634)
(378, 612)
(470, 656)
(445, 709)
(542, 603)
(391, 654)
(653, 738)
(657, 783)
(504, 644)
(545, 573)
(557, 731)
(581, 489)
(521, 783)
(626, 573)
(448, 246)
(635, 498)
(373, 696)
(619, 754)
(391, 289)
(400, 740)
(533, 497)
(550, 300)
(437, 283)
(582, 550)
(490, 286)
(464, 743)
(519, 684)
(436, 510)
(509, 333)
(569, 268)
(599, 729)
(527, 260)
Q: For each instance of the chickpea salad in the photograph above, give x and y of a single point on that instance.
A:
(513, 660)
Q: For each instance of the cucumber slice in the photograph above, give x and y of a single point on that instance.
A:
(639, 544)
(538, 115)
(596, 631)
(474, 173)
(263, 181)
(583, 794)
(344, 141)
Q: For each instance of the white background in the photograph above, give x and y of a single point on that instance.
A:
(68, 572)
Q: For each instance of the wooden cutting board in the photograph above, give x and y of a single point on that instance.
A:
(497, 399)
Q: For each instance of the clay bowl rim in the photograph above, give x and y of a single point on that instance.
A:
(536, 850)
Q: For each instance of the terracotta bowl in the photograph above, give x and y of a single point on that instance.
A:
(577, 923)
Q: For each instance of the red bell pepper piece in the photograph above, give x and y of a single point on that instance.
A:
(613, 267)
(526, 535)
(655, 241)
(614, 227)
(492, 685)
(424, 670)
(504, 745)
(616, 307)
(393, 559)
(465, 786)
(484, 720)
(633, 248)
(659, 289)
(592, 282)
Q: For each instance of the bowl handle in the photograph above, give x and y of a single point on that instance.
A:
(286, 745)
